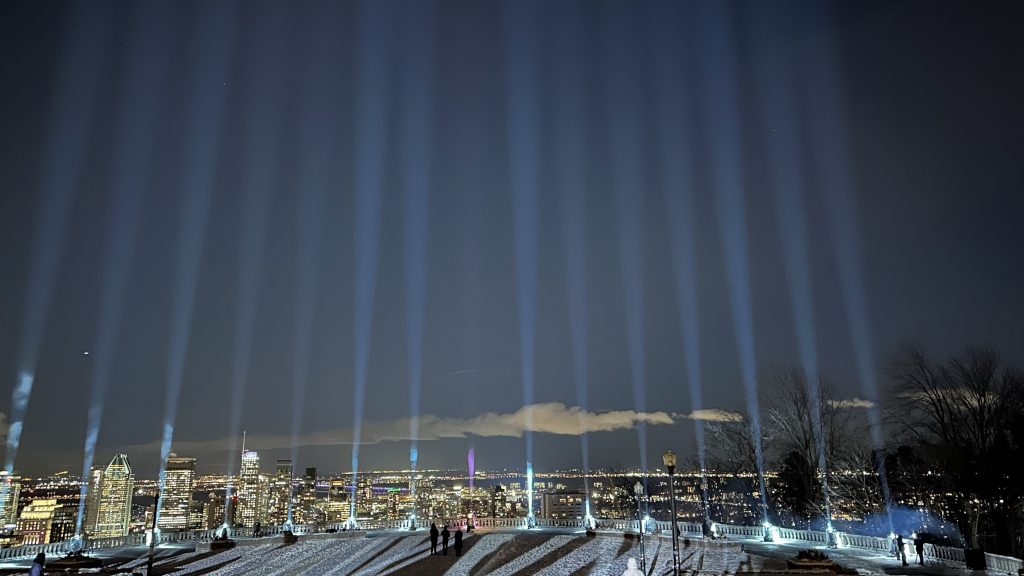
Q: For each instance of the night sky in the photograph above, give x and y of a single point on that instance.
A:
(216, 157)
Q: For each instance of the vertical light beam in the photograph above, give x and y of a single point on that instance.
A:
(371, 119)
(521, 64)
(674, 105)
(570, 158)
(214, 30)
(780, 129)
(67, 139)
(627, 177)
(262, 131)
(318, 142)
(722, 131)
(417, 132)
(829, 140)
(134, 151)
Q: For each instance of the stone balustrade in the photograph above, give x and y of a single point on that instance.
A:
(994, 562)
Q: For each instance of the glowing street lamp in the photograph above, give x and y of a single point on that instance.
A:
(638, 490)
(669, 459)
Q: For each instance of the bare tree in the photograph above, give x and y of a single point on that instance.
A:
(815, 434)
(730, 451)
(964, 416)
(853, 481)
(795, 413)
(730, 446)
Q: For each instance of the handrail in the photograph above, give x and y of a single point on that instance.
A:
(994, 562)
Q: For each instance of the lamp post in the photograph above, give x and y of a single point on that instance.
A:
(152, 534)
(669, 459)
(638, 490)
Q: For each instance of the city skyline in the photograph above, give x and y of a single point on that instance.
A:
(291, 222)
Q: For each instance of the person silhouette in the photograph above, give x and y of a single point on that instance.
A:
(919, 547)
(433, 538)
(38, 565)
(631, 569)
(901, 553)
(458, 541)
(445, 535)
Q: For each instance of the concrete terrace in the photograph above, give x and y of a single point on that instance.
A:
(491, 551)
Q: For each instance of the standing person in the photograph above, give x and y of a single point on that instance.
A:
(445, 535)
(919, 546)
(433, 538)
(38, 564)
(901, 553)
(458, 541)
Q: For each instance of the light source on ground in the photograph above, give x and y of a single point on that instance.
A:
(670, 461)
(638, 491)
(831, 537)
(529, 488)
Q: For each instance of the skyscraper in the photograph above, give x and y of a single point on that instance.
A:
(337, 507)
(280, 493)
(249, 489)
(176, 498)
(563, 505)
(10, 491)
(219, 511)
(35, 519)
(115, 505)
(197, 513)
(499, 503)
(62, 525)
(307, 509)
(92, 501)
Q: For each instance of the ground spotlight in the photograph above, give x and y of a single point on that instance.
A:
(831, 537)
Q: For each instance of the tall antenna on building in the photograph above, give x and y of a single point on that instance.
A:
(243, 441)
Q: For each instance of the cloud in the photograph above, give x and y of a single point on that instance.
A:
(548, 418)
(714, 415)
(845, 403)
